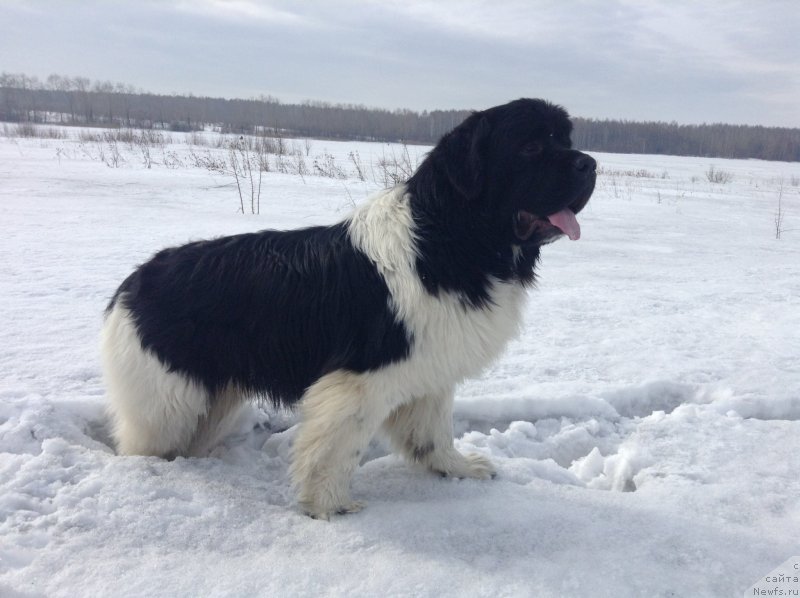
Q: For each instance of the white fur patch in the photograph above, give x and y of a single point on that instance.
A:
(154, 412)
(412, 397)
(451, 341)
(422, 431)
(338, 421)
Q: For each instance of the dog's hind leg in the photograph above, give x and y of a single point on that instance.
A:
(422, 431)
(217, 422)
(338, 421)
(153, 411)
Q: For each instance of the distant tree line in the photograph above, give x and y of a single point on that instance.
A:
(714, 140)
(79, 101)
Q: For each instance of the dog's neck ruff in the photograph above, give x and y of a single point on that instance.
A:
(383, 228)
(398, 237)
(451, 337)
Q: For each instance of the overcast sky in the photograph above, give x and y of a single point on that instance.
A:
(692, 62)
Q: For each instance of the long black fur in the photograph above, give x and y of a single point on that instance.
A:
(270, 312)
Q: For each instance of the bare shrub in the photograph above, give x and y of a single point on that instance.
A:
(25, 130)
(197, 139)
(207, 160)
(127, 136)
(171, 159)
(640, 173)
(239, 163)
(355, 158)
(614, 186)
(266, 145)
(779, 213)
(147, 158)
(152, 137)
(245, 167)
(325, 166)
(717, 175)
(144, 141)
(40, 132)
(299, 164)
(113, 158)
(84, 150)
(30, 130)
(281, 164)
(395, 169)
(281, 147)
(86, 136)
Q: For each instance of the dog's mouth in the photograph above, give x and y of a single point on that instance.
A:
(547, 228)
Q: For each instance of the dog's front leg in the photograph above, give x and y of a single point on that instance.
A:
(422, 431)
(338, 421)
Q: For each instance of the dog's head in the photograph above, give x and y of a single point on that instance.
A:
(516, 167)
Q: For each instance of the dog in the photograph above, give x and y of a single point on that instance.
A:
(365, 325)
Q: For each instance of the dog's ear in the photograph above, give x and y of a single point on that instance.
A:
(465, 153)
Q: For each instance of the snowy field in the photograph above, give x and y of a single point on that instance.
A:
(645, 425)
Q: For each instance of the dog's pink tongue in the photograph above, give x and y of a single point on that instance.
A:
(566, 221)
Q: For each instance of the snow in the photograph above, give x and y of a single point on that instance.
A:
(645, 425)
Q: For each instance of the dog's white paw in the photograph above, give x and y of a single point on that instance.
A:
(456, 465)
(479, 467)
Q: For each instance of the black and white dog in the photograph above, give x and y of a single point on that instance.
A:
(367, 324)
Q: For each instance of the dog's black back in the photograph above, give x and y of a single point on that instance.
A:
(225, 311)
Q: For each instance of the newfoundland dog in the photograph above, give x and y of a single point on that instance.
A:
(364, 325)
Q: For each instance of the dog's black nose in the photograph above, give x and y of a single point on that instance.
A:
(584, 164)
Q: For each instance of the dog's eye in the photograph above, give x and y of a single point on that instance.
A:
(531, 150)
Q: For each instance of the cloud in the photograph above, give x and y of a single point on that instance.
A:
(678, 60)
(243, 11)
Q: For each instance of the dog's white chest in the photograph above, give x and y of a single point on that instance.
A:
(450, 341)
